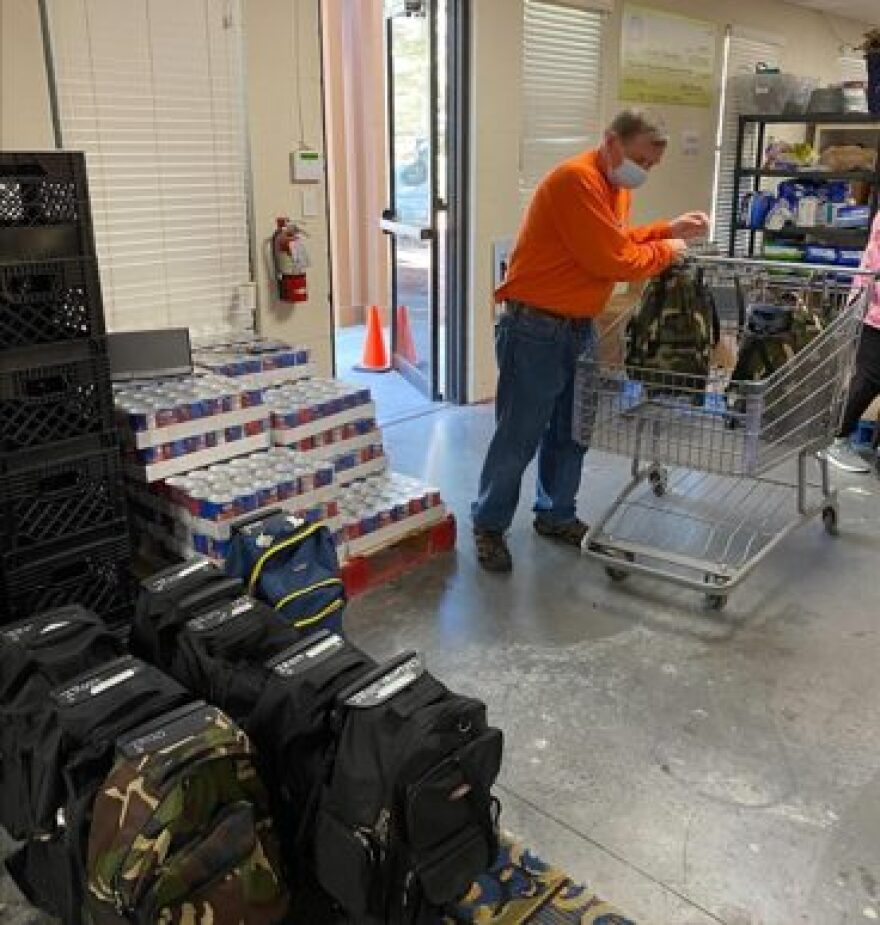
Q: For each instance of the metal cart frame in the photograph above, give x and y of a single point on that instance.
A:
(722, 470)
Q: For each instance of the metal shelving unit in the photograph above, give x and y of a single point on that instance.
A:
(751, 139)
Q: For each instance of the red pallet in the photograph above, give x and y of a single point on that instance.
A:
(366, 572)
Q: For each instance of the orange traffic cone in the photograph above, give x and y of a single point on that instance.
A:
(406, 345)
(375, 357)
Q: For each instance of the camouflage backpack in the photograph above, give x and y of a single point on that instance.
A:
(181, 831)
(671, 335)
(775, 333)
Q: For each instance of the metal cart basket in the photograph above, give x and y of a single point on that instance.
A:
(723, 470)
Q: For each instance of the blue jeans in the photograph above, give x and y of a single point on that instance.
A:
(537, 360)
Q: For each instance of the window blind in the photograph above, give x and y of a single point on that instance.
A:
(562, 86)
(152, 91)
(852, 68)
(741, 54)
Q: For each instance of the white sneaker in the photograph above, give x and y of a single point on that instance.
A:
(842, 456)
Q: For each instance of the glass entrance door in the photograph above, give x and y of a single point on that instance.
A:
(415, 218)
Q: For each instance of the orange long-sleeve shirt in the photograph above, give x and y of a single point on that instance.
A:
(574, 243)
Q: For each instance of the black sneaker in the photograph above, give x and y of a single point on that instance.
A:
(492, 551)
(571, 533)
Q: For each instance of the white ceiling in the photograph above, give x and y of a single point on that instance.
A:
(863, 10)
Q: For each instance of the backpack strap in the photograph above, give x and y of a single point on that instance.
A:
(272, 551)
(301, 592)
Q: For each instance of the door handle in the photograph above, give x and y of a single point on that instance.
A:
(402, 230)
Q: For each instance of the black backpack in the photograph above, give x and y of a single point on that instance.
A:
(292, 726)
(36, 655)
(407, 822)
(171, 597)
(221, 653)
(74, 745)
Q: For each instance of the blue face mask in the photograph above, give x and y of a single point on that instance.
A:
(628, 175)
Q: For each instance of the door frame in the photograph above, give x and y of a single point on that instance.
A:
(456, 205)
(458, 162)
(391, 224)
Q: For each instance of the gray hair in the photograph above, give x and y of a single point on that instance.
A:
(631, 123)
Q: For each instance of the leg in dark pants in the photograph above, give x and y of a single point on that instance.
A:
(537, 359)
(865, 385)
(560, 458)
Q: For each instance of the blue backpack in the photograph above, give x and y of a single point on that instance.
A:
(293, 567)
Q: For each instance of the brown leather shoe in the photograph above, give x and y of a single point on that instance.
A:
(571, 533)
(492, 551)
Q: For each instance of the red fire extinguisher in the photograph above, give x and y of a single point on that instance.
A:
(290, 261)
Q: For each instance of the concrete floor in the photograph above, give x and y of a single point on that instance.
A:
(691, 767)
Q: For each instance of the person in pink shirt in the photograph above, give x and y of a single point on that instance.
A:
(865, 384)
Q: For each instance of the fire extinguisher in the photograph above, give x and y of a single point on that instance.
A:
(290, 261)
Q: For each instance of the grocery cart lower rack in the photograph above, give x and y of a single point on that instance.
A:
(723, 470)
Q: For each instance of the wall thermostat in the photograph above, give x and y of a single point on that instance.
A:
(306, 166)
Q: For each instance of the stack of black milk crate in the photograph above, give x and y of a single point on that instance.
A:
(62, 500)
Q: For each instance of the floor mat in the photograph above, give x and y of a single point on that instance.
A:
(521, 889)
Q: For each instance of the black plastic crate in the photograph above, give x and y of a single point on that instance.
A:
(97, 575)
(44, 205)
(45, 404)
(50, 301)
(62, 501)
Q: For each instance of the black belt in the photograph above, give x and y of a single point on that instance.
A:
(522, 308)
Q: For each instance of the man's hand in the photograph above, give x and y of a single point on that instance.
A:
(679, 247)
(690, 225)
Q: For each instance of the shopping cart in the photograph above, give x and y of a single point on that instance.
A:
(723, 470)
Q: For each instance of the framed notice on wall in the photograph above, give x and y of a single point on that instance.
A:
(665, 58)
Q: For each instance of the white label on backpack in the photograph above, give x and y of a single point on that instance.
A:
(191, 569)
(324, 649)
(215, 618)
(113, 675)
(116, 680)
(160, 584)
(54, 626)
(178, 730)
(388, 685)
(334, 642)
(19, 632)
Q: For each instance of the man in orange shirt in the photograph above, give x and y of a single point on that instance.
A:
(573, 246)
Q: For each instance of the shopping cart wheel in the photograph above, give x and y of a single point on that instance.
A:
(658, 479)
(829, 519)
(716, 601)
(619, 574)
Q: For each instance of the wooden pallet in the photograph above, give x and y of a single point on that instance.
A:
(363, 573)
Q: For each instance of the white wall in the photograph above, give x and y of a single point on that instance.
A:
(497, 31)
(276, 32)
(812, 45)
(272, 76)
(25, 120)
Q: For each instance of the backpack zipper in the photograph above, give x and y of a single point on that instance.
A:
(326, 583)
(279, 547)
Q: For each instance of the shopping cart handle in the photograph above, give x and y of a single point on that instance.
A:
(777, 265)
